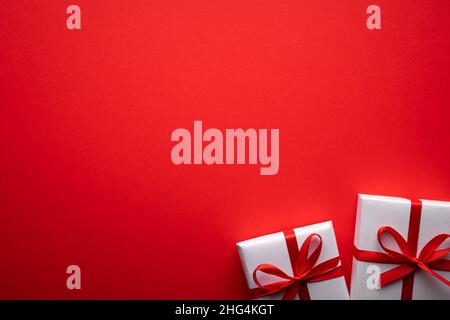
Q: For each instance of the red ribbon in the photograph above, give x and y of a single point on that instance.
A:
(430, 257)
(303, 266)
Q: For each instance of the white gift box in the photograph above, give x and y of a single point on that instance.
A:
(374, 212)
(272, 249)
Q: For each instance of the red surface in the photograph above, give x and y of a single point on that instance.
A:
(86, 118)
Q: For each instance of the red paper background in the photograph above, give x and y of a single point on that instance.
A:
(86, 118)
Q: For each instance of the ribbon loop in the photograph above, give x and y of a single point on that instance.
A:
(405, 252)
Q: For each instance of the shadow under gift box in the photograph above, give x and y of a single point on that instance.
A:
(272, 249)
(374, 212)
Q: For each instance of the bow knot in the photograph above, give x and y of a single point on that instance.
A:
(304, 270)
(430, 257)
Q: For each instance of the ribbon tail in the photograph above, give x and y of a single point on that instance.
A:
(435, 274)
(396, 273)
(442, 265)
(291, 291)
(303, 291)
(330, 274)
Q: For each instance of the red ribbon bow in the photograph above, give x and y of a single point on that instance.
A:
(430, 257)
(303, 266)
